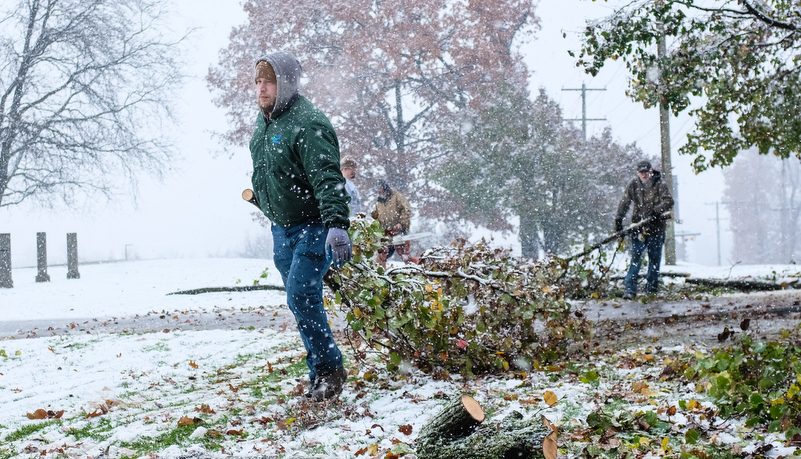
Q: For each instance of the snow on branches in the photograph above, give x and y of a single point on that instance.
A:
(465, 308)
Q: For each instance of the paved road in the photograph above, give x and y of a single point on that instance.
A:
(694, 320)
(624, 322)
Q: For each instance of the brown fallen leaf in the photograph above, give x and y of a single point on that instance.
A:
(234, 432)
(205, 409)
(38, 414)
(549, 447)
(640, 387)
(547, 423)
(406, 430)
(187, 421)
(193, 364)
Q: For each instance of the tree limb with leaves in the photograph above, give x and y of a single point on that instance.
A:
(741, 57)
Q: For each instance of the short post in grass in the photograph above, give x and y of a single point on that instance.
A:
(72, 256)
(5, 261)
(41, 257)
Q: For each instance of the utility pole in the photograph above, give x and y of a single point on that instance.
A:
(667, 168)
(717, 224)
(584, 118)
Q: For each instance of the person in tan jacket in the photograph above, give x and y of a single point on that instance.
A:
(394, 214)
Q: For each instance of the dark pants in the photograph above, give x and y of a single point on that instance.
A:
(653, 244)
(299, 255)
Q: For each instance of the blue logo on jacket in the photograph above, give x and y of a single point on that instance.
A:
(276, 138)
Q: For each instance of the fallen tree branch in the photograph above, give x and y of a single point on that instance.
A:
(246, 288)
(742, 284)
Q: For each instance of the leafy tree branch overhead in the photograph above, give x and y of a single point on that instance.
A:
(741, 56)
(84, 87)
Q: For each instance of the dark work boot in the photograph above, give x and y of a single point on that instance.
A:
(308, 393)
(628, 296)
(328, 386)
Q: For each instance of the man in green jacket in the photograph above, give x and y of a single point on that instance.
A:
(300, 188)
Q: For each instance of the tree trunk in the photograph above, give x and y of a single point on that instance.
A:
(443, 436)
(529, 239)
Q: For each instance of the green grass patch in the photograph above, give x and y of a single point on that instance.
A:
(93, 430)
(25, 431)
(176, 436)
(157, 347)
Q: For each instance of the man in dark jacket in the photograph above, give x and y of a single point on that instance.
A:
(651, 198)
(300, 188)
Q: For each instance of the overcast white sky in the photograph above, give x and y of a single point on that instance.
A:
(197, 210)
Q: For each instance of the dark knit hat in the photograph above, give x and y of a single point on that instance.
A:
(643, 166)
(265, 70)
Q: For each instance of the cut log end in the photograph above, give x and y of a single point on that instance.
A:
(247, 195)
(473, 408)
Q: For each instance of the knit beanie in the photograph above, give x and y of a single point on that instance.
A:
(265, 70)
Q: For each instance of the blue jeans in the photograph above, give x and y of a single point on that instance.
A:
(299, 255)
(653, 244)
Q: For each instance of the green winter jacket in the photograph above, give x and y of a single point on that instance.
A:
(296, 175)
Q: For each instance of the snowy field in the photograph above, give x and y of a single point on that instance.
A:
(231, 389)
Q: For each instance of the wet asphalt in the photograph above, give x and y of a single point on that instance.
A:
(643, 321)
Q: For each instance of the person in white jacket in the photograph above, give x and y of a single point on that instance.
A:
(349, 167)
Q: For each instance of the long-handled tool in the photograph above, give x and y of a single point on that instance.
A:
(623, 233)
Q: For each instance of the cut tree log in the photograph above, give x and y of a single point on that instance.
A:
(459, 419)
(249, 196)
(456, 433)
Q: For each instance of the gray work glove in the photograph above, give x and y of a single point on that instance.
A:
(338, 248)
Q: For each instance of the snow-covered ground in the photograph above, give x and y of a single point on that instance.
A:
(130, 394)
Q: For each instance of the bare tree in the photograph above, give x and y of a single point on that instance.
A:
(84, 90)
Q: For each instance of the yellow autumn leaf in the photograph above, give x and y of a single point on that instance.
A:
(429, 288)
(546, 289)
(505, 365)
(550, 398)
(290, 421)
(692, 404)
(372, 450)
(358, 313)
(665, 444)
